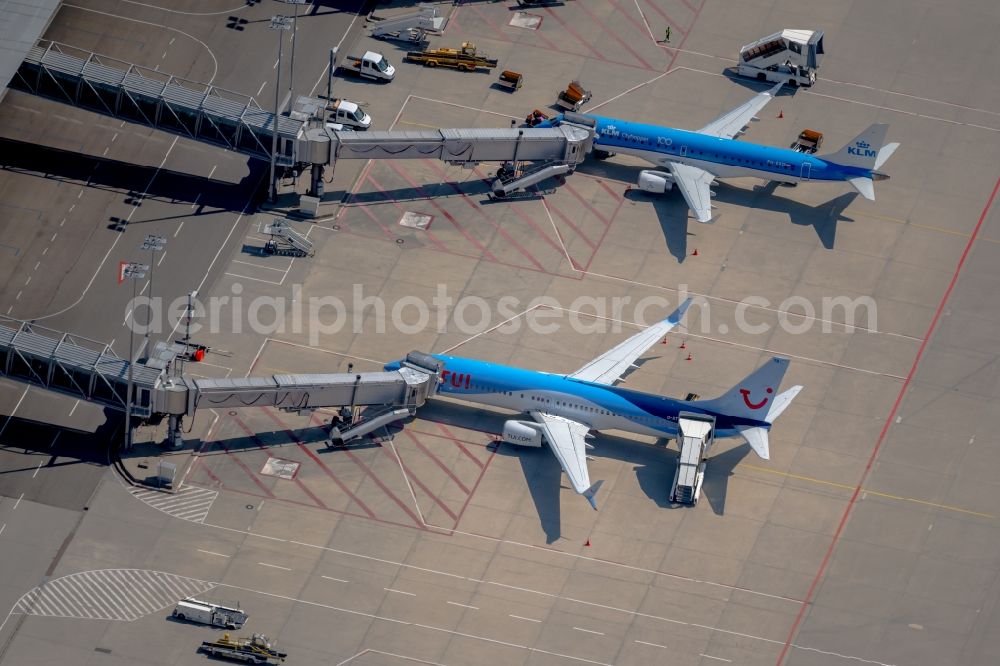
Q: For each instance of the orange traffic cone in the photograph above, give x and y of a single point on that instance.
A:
(695, 253)
(683, 344)
(781, 113)
(689, 357)
(663, 341)
(587, 544)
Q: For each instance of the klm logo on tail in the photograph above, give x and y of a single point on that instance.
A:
(862, 149)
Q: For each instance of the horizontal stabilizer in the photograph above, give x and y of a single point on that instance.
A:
(590, 492)
(782, 402)
(757, 439)
(884, 154)
(866, 186)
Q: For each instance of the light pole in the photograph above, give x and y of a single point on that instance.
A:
(154, 244)
(295, 32)
(179, 367)
(130, 270)
(279, 23)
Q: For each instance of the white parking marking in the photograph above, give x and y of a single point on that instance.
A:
(651, 644)
(708, 656)
(526, 619)
(389, 589)
(339, 580)
(455, 603)
(212, 552)
(273, 566)
(40, 463)
(589, 631)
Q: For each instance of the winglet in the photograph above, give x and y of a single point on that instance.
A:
(590, 492)
(678, 314)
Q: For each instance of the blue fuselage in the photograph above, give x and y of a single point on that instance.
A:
(599, 406)
(725, 158)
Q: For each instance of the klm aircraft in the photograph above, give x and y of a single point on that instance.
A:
(565, 408)
(693, 160)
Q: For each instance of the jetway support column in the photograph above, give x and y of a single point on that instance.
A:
(175, 438)
(316, 181)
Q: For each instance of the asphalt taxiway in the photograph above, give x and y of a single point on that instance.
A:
(871, 536)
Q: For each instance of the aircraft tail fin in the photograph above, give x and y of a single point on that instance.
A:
(863, 150)
(749, 398)
(590, 492)
(754, 398)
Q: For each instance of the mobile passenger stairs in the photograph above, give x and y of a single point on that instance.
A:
(151, 389)
(790, 56)
(411, 27)
(285, 241)
(696, 433)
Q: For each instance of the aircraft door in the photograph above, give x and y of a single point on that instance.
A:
(684, 151)
(806, 170)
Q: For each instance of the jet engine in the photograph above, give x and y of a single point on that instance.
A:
(522, 433)
(656, 182)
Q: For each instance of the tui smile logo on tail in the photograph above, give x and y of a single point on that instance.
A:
(746, 398)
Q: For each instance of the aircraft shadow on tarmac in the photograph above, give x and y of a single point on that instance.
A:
(672, 210)
(129, 179)
(654, 465)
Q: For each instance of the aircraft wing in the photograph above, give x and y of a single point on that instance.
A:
(566, 438)
(609, 367)
(732, 124)
(694, 184)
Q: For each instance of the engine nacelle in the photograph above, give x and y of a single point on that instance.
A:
(656, 182)
(522, 433)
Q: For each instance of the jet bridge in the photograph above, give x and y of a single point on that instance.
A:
(91, 371)
(148, 97)
(237, 122)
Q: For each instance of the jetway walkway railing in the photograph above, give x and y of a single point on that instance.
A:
(148, 97)
(213, 115)
(73, 365)
(91, 371)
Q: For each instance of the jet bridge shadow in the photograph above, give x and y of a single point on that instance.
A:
(34, 441)
(474, 187)
(129, 179)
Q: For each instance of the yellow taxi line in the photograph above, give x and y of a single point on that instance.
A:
(845, 486)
